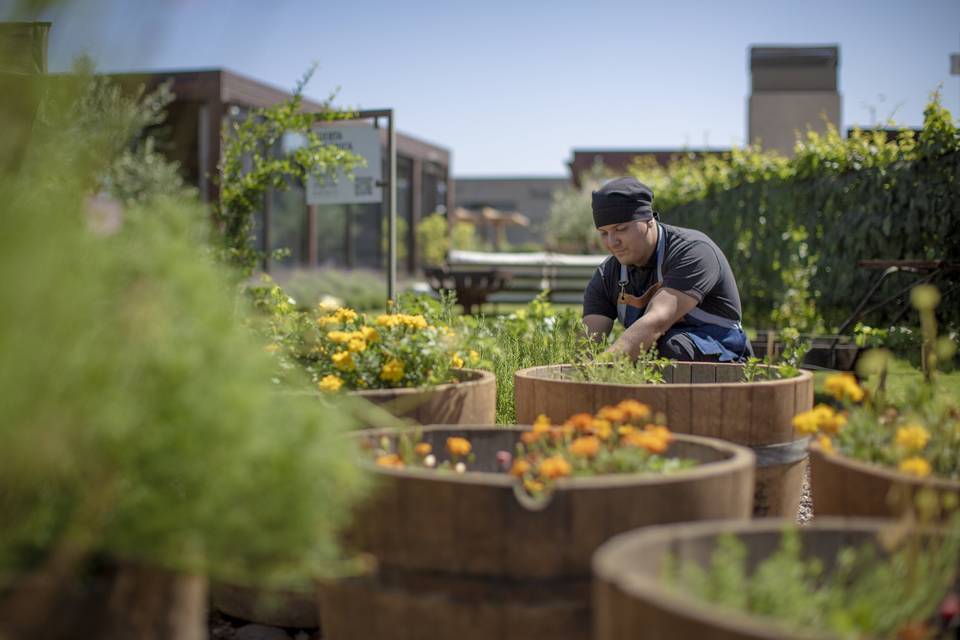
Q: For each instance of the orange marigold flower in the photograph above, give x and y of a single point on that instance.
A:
(555, 467)
(647, 440)
(660, 431)
(390, 460)
(519, 468)
(634, 410)
(529, 437)
(458, 446)
(585, 447)
(580, 421)
(422, 449)
(613, 414)
(626, 430)
(601, 429)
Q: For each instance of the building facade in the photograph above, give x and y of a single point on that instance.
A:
(344, 235)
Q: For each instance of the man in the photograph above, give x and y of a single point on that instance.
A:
(669, 286)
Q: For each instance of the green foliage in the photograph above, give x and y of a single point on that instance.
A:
(250, 166)
(618, 368)
(863, 594)
(135, 416)
(570, 221)
(100, 127)
(794, 229)
(138, 417)
(436, 239)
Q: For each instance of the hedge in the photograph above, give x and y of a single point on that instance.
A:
(794, 229)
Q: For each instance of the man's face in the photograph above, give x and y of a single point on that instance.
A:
(631, 242)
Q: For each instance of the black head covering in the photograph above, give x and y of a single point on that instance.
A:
(622, 200)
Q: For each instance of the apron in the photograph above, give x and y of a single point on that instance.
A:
(713, 335)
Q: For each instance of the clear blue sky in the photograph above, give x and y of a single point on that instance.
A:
(511, 87)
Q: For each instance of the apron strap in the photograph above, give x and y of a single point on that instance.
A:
(621, 306)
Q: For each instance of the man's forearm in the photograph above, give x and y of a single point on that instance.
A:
(641, 335)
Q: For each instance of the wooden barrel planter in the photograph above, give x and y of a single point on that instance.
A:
(704, 399)
(273, 607)
(472, 400)
(629, 595)
(471, 555)
(842, 486)
(114, 603)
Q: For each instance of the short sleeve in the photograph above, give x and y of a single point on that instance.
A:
(596, 301)
(694, 270)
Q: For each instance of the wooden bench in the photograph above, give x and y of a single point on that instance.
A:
(480, 277)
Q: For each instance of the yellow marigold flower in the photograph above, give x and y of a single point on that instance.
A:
(613, 414)
(390, 460)
(388, 320)
(519, 468)
(580, 421)
(585, 447)
(474, 357)
(340, 337)
(912, 437)
(634, 410)
(458, 446)
(601, 428)
(541, 421)
(626, 430)
(826, 444)
(555, 467)
(456, 361)
(532, 486)
(343, 360)
(325, 320)
(330, 383)
(422, 449)
(272, 348)
(843, 386)
(392, 371)
(357, 345)
(415, 322)
(915, 466)
(343, 314)
(833, 424)
(369, 334)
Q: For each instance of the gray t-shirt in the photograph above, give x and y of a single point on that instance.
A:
(692, 264)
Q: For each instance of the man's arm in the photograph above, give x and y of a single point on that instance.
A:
(597, 326)
(666, 308)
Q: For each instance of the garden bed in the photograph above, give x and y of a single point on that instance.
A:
(704, 399)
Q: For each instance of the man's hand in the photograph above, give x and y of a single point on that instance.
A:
(666, 308)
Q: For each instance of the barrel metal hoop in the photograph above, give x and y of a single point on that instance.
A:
(781, 452)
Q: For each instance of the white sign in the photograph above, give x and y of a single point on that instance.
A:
(955, 64)
(363, 187)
